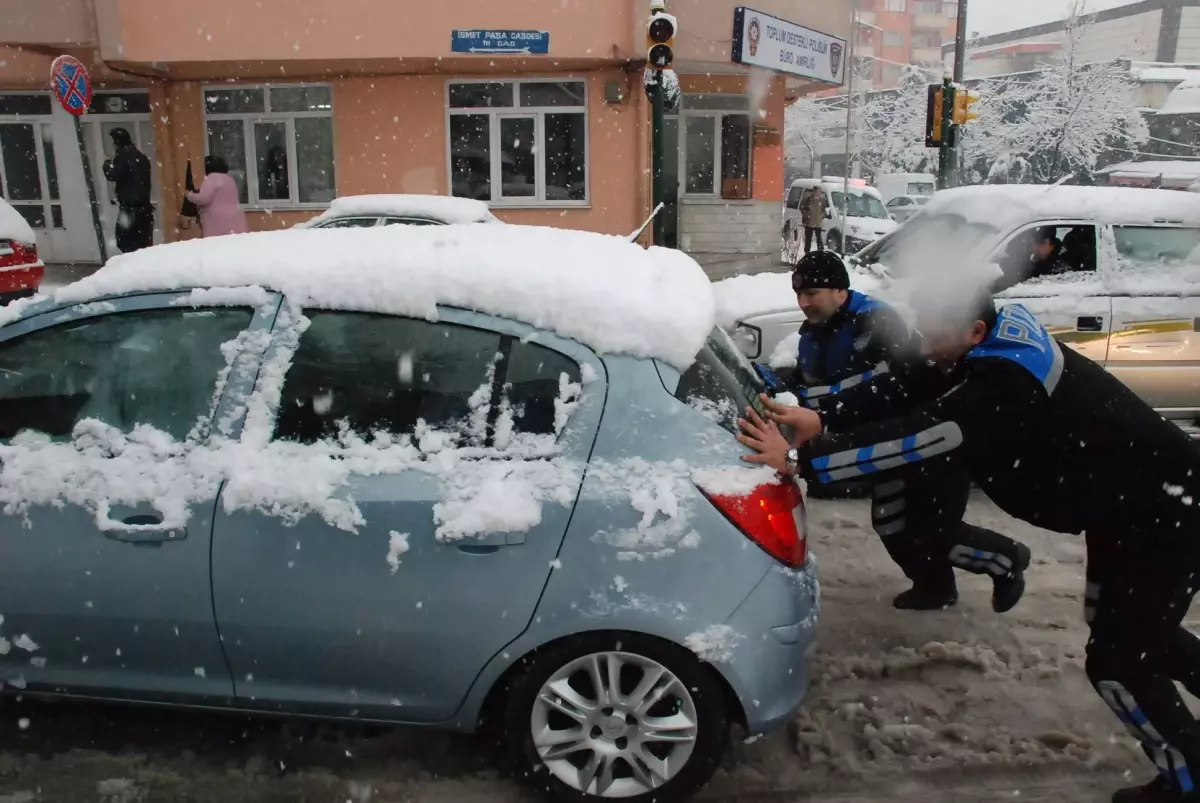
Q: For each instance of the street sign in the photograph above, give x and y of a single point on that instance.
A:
(514, 43)
(763, 40)
(71, 84)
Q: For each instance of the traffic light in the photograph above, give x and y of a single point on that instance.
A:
(660, 36)
(933, 117)
(963, 100)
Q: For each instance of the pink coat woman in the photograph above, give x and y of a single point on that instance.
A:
(217, 200)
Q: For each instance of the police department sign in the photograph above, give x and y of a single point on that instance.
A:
(762, 40)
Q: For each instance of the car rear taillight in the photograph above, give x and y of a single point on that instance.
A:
(771, 516)
(15, 253)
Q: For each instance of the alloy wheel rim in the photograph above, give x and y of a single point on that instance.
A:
(614, 724)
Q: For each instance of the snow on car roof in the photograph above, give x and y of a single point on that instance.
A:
(434, 207)
(601, 290)
(13, 226)
(1002, 205)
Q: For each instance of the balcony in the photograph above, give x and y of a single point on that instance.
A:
(934, 22)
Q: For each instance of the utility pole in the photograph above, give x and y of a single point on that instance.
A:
(657, 157)
(849, 117)
(948, 156)
(946, 150)
(960, 43)
(660, 52)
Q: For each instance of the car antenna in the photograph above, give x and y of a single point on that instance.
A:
(633, 237)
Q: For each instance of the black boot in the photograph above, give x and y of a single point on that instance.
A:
(1007, 590)
(926, 598)
(1157, 791)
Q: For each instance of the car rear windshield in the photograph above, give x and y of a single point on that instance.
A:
(721, 382)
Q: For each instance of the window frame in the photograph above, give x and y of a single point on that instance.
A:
(999, 251)
(718, 116)
(895, 6)
(38, 121)
(250, 119)
(495, 113)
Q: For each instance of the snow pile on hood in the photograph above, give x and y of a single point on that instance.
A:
(741, 297)
(433, 207)
(13, 226)
(600, 290)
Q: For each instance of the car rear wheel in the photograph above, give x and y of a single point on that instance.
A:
(616, 716)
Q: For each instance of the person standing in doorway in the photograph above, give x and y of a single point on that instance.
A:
(217, 200)
(129, 171)
(812, 215)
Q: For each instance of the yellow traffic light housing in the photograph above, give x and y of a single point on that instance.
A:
(660, 38)
(964, 99)
(933, 117)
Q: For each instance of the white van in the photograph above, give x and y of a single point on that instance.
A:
(894, 185)
(866, 218)
(1128, 298)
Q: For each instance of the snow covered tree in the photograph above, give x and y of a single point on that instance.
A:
(894, 139)
(1061, 118)
(812, 126)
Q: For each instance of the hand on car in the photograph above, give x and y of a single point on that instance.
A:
(805, 422)
(765, 439)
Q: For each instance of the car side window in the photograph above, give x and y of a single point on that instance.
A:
(154, 367)
(537, 380)
(385, 373)
(1150, 246)
(1045, 250)
(410, 221)
(351, 223)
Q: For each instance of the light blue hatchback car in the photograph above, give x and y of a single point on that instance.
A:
(253, 487)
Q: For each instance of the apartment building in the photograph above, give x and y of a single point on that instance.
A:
(314, 99)
(896, 33)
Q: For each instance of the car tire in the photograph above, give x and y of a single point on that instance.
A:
(599, 750)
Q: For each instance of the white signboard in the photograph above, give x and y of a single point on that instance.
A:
(762, 40)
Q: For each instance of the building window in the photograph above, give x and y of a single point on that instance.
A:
(895, 5)
(520, 143)
(950, 9)
(277, 141)
(927, 7)
(927, 39)
(893, 38)
(716, 153)
(28, 169)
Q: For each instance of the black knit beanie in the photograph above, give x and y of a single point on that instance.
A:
(820, 269)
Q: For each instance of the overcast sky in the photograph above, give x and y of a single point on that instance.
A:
(994, 16)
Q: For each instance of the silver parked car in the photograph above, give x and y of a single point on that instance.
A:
(259, 474)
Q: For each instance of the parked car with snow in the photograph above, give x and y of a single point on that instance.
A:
(365, 211)
(422, 475)
(903, 207)
(866, 220)
(21, 270)
(1126, 291)
(895, 185)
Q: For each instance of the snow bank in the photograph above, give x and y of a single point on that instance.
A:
(13, 226)
(601, 290)
(741, 297)
(434, 207)
(1009, 205)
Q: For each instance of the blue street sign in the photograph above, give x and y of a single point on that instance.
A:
(516, 43)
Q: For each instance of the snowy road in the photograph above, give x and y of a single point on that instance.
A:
(963, 705)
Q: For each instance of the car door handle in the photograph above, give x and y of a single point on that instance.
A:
(148, 530)
(1090, 323)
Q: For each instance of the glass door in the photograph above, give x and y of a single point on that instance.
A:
(99, 124)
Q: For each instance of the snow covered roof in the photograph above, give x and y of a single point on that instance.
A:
(1178, 170)
(600, 290)
(13, 226)
(1007, 205)
(1184, 99)
(435, 207)
(1164, 73)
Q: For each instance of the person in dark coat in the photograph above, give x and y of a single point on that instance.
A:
(1054, 440)
(847, 339)
(1048, 258)
(129, 171)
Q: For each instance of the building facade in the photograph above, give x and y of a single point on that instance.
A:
(355, 96)
(895, 33)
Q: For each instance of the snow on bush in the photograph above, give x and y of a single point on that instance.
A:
(714, 644)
